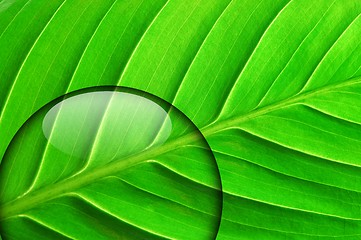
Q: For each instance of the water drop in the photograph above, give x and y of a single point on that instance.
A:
(121, 156)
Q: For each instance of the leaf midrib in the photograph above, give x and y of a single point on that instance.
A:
(77, 181)
(215, 126)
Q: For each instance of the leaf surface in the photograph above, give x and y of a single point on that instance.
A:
(274, 86)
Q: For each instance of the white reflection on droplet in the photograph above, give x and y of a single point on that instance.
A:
(106, 125)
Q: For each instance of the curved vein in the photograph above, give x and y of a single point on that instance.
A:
(26, 58)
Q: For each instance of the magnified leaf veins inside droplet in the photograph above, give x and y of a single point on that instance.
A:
(107, 163)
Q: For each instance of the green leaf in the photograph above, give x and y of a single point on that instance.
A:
(274, 86)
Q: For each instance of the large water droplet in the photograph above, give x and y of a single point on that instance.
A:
(122, 156)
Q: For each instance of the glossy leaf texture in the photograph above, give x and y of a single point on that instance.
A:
(274, 86)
